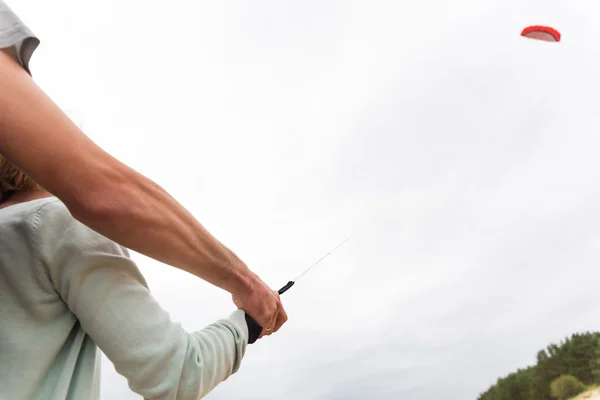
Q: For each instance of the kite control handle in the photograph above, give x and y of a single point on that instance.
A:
(254, 329)
(286, 287)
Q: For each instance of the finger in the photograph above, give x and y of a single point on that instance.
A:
(282, 318)
(265, 332)
(281, 314)
(270, 328)
(271, 315)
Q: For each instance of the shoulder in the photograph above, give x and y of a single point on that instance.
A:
(54, 228)
(52, 216)
(14, 33)
(49, 209)
(72, 254)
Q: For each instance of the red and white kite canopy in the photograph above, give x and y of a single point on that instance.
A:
(539, 32)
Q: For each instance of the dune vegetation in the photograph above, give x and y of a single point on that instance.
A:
(563, 371)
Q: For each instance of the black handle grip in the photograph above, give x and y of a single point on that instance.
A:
(254, 329)
(286, 287)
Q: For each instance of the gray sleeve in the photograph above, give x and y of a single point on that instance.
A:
(105, 290)
(14, 33)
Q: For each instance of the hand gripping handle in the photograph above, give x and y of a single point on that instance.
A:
(254, 329)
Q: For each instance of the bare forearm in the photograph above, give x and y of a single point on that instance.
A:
(137, 213)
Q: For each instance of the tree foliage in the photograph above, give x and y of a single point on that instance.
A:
(577, 356)
(566, 386)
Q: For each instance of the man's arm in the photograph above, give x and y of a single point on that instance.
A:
(115, 200)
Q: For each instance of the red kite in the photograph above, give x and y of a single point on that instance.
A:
(539, 32)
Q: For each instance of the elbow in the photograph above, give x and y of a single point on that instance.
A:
(90, 208)
(103, 201)
(187, 371)
(177, 365)
(212, 356)
(84, 209)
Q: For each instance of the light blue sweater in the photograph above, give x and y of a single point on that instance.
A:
(66, 290)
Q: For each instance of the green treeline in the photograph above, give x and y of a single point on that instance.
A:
(578, 356)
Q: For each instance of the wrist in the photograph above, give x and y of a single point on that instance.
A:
(243, 280)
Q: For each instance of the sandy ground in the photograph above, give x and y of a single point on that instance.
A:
(590, 395)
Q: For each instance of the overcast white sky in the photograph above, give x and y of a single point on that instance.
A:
(461, 157)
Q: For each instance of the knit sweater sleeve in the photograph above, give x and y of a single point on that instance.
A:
(105, 290)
